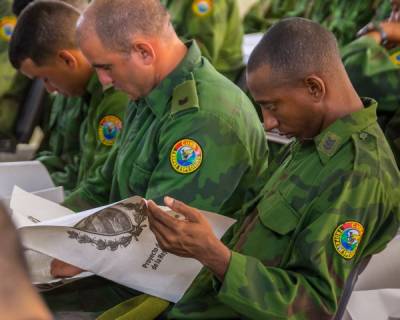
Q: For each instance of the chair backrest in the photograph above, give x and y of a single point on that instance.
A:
(30, 111)
(348, 287)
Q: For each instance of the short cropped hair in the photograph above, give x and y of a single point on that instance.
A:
(296, 47)
(19, 5)
(116, 21)
(43, 28)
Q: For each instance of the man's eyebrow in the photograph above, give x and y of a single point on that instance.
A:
(101, 65)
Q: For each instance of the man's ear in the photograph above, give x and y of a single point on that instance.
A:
(316, 87)
(144, 51)
(67, 58)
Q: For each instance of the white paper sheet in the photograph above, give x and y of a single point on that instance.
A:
(30, 176)
(115, 243)
(380, 304)
(249, 43)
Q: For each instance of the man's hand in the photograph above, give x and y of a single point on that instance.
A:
(61, 269)
(192, 237)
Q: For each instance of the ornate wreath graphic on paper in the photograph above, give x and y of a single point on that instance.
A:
(113, 227)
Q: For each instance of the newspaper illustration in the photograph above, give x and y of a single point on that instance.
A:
(113, 241)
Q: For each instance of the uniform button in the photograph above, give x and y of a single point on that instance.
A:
(363, 135)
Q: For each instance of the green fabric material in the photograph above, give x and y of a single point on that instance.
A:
(375, 71)
(13, 85)
(92, 294)
(143, 307)
(225, 127)
(62, 153)
(284, 261)
(75, 149)
(344, 18)
(219, 33)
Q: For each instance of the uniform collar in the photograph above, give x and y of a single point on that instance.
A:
(91, 87)
(159, 97)
(329, 141)
(93, 83)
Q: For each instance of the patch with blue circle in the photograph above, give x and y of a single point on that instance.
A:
(347, 238)
(395, 58)
(7, 25)
(109, 127)
(202, 8)
(186, 156)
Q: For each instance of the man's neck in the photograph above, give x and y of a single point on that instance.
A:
(171, 57)
(345, 102)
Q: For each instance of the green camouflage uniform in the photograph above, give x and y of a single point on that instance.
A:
(13, 85)
(217, 28)
(62, 151)
(327, 205)
(344, 18)
(375, 71)
(194, 108)
(82, 132)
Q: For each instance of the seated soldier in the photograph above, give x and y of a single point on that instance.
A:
(13, 85)
(330, 202)
(86, 117)
(342, 17)
(373, 64)
(18, 299)
(190, 132)
(216, 27)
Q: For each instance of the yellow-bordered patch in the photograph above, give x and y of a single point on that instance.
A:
(186, 156)
(347, 238)
(395, 58)
(109, 126)
(7, 25)
(202, 8)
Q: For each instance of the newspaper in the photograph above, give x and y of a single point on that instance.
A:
(112, 241)
(31, 176)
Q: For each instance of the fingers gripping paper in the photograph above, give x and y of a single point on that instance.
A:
(114, 242)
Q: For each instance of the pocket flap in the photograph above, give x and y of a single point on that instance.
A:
(276, 214)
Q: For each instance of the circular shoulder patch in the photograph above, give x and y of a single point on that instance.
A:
(7, 25)
(186, 156)
(395, 58)
(202, 8)
(347, 237)
(109, 127)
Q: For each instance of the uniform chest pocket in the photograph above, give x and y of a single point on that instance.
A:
(276, 214)
(271, 237)
(139, 180)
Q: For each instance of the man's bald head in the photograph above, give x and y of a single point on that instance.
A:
(295, 48)
(116, 21)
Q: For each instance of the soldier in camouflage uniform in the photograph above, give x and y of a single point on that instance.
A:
(217, 28)
(331, 199)
(84, 125)
(342, 17)
(374, 69)
(189, 129)
(13, 85)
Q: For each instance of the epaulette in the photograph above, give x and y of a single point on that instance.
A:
(184, 97)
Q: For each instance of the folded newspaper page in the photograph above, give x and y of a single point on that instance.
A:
(31, 176)
(113, 241)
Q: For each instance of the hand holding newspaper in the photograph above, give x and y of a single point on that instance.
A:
(113, 241)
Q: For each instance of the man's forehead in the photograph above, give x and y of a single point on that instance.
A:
(264, 77)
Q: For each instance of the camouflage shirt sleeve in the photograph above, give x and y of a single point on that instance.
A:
(329, 205)
(373, 72)
(306, 276)
(95, 190)
(218, 32)
(212, 138)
